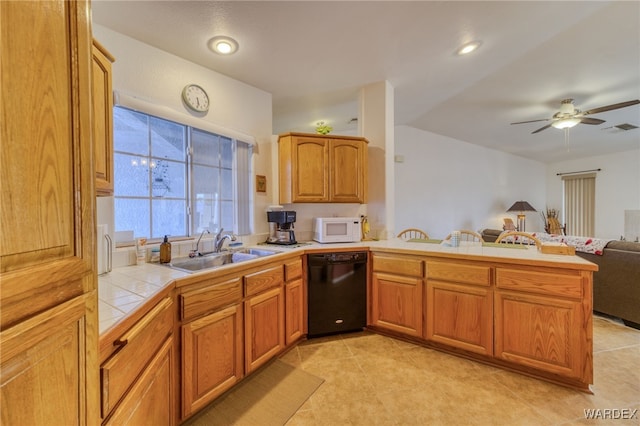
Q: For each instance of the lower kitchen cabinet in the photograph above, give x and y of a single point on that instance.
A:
(294, 318)
(397, 294)
(151, 400)
(264, 327)
(460, 316)
(263, 316)
(137, 380)
(543, 321)
(295, 312)
(212, 359)
(459, 306)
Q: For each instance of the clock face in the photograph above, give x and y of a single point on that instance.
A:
(196, 98)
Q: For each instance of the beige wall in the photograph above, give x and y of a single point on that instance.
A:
(158, 77)
(617, 188)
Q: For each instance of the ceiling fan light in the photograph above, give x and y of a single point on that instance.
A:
(565, 123)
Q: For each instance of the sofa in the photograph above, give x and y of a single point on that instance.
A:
(616, 284)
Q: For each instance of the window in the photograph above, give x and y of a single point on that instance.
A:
(178, 180)
(579, 204)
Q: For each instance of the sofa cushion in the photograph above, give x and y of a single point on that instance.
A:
(490, 235)
(623, 245)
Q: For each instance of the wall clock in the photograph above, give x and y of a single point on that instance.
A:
(195, 98)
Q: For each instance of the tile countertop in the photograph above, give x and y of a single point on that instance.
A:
(125, 289)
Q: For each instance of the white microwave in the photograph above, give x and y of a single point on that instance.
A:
(337, 229)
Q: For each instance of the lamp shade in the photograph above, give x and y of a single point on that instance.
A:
(521, 206)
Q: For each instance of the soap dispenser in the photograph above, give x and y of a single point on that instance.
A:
(165, 250)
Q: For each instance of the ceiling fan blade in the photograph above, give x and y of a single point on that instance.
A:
(532, 121)
(610, 107)
(589, 120)
(541, 129)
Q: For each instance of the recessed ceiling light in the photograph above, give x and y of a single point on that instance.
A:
(223, 45)
(468, 47)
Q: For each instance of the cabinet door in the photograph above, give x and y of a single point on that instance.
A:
(541, 332)
(136, 347)
(310, 170)
(151, 400)
(460, 316)
(102, 119)
(397, 303)
(211, 357)
(264, 327)
(294, 302)
(348, 160)
(47, 204)
(42, 374)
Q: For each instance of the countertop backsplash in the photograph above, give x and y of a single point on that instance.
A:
(126, 256)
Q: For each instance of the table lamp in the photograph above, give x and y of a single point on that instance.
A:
(520, 207)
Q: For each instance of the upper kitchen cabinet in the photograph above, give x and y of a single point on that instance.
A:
(102, 119)
(321, 169)
(49, 317)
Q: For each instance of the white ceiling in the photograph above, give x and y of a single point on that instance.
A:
(313, 56)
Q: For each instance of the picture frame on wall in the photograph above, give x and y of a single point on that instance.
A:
(261, 183)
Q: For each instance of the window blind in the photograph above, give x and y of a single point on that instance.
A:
(580, 204)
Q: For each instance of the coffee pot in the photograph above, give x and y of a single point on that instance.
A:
(281, 227)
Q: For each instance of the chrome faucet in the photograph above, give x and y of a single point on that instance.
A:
(220, 240)
(196, 252)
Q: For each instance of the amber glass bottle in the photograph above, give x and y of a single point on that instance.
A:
(165, 250)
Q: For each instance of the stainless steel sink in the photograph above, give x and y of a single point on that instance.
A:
(257, 252)
(215, 260)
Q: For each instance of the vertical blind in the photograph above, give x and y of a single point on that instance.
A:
(580, 204)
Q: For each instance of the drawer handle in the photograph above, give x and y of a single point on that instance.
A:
(136, 329)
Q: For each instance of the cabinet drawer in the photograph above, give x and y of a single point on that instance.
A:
(197, 302)
(459, 273)
(263, 280)
(398, 265)
(293, 269)
(552, 283)
(139, 345)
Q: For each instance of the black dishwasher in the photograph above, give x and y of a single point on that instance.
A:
(337, 293)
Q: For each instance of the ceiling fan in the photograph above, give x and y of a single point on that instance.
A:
(569, 115)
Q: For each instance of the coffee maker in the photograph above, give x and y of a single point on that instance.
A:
(281, 227)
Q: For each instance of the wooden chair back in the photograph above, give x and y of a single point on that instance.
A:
(466, 235)
(517, 237)
(508, 225)
(411, 233)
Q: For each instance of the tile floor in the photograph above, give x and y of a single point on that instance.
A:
(376, 380)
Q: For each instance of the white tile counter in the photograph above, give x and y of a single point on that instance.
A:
(124, 289)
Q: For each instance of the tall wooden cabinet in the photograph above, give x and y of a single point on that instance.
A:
(49, 323)
(322, 169)
(102, 118)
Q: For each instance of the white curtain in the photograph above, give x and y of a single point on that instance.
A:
(244, 187)
(580, 204)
